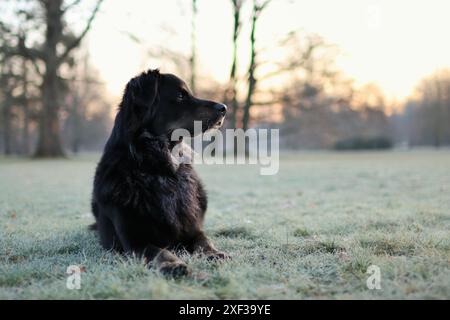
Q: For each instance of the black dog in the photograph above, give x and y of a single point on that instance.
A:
(143, 202)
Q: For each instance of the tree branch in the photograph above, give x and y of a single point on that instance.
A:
(70, 5)
(77, 41)
(263, 5)
(21, 50)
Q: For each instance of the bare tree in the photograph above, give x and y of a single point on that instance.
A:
(25, 102)
(193, 58)
(84, 101)
(52, 54)
(6, 106)
(257, 10)
(429, 113)
(231, 91)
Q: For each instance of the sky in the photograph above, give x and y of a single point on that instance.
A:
(390, 43)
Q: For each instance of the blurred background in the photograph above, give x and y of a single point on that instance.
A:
(330, 75)
(352, 74)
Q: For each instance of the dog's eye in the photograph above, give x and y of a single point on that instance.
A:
(182, 95)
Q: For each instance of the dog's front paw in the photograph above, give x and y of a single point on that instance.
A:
(218, 255)
(174, 269)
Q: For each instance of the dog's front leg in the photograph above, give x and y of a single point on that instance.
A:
(162, 259)
(201, 244)
(167, 263)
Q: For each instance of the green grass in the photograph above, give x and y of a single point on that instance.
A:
(309, 232)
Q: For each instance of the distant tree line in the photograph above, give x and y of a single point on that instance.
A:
(425, 119)
(52, 99)
(314, 117)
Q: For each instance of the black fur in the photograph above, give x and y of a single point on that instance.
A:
(143, 202)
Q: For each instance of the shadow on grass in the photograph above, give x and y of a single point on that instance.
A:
(388, 246)
(314, 246)
(237, 232)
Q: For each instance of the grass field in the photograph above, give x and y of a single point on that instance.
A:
(309, 232)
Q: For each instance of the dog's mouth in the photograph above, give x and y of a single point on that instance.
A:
(206, 125)
(218, 124)
(215, 125)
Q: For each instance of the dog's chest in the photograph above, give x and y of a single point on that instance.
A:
(178, 202)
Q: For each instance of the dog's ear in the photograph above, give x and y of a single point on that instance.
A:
(142, 91)
(139, 99)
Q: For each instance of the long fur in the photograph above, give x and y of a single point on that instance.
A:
(143, 202)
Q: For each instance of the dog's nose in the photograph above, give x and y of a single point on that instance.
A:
(221, 108)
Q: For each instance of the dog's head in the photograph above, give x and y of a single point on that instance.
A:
(160, 103)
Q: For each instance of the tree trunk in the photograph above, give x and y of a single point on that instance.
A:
(193, 58)
(231, 93)
(7, 126)
(49, 143)
(437, 125)
(26, 112)
(437, 114)
(26, 130)
(77, 116)
(251, 72)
